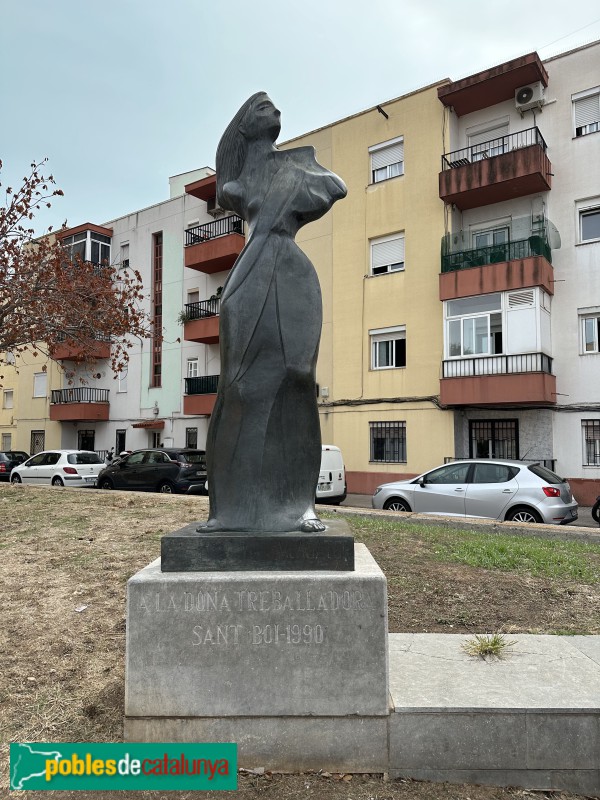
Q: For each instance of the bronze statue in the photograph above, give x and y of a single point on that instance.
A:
(264, 441)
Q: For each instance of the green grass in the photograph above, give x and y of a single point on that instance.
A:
(532, 555)
(483, 645)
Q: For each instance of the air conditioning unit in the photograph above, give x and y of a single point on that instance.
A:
(531, 96)
(213, 208)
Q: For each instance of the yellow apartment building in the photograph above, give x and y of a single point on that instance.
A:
(26, 385)
(378, 259)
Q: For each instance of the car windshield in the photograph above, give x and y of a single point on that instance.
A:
(83, 458)
(545, 474)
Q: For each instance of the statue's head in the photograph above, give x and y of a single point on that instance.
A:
(256, 119)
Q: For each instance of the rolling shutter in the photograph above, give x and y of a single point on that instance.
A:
(385, 156)
(587, 110)
(384, 254)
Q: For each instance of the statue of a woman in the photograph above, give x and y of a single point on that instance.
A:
(264, 442)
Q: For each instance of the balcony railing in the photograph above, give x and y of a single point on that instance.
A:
(81, 394)
(205, 384)
(497, 365)
(212, 230)
(497, 253)
(203, 309)
(494, 147)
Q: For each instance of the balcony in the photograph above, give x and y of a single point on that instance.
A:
(200, 395)
(492, 86)
(82, 404)
(214, 246)
(522, 379)
(501, 267)
(69, 350)
(202, 321)
(501, 169)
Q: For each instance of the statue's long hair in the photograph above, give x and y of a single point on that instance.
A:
(232, 149)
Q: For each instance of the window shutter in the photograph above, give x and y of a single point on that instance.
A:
(385, 253)
(487, 136)
(587, 110)
(387, 155)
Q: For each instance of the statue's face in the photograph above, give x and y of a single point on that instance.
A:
(262, 120)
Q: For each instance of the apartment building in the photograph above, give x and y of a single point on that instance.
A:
(519, 284)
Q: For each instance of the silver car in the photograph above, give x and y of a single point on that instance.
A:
(492, 489)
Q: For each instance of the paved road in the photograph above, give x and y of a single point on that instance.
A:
(364, 501)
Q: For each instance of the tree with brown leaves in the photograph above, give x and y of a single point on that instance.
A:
(48, 297)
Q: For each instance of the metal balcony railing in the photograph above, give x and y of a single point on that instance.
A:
(495, 254)
(496, 365)
(203, 309)
(212, 230)
(61, 336)
(81, 394)
(494, 147)
(205, 384)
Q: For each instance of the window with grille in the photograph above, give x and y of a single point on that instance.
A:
(586, 112)
(591, 442)
(387, 159)
(387, 254)
(494, 438)
(388, 348)
(38, 442)
(191, 437)
(388, 442)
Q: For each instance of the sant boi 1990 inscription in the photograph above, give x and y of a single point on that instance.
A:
(292, 637)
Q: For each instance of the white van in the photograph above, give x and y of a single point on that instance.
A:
(332, 476)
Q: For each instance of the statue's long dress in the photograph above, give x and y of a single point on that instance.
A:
(264, 437)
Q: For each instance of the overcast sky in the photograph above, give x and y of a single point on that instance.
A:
(120, 95)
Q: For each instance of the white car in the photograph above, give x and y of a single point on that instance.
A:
(59, 468)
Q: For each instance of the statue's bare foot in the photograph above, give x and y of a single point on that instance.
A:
(312, 525)
(211, 525)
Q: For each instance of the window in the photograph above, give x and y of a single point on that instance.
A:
(493, 473)
(477, 326)
(388, 348)
(193, 296)
(494, 438)
(125, 255)
(192, 367)
(75, 246)
(590, 333)
(387, 254)
(157, 278)
(489, 238)
(589, 224)
(451, 473)
(8, 399)
(191, 437)
(10, 357)
(586, 112)
(100, 248)
(489, 141)
(591, 442)
(388, 442)
(40, 384)
(122, 381)
(387, 160)
(86, 439)
(6, 441)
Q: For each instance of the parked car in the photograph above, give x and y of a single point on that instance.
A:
(9, 459)
(493, 489)
(165, 470)
(331, 487)
(59, 468)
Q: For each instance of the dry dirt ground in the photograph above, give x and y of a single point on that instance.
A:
(66, 555)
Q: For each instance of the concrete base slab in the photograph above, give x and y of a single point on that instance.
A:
(283, 744)
(531, 719)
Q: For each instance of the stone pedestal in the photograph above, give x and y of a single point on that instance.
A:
(291, 665)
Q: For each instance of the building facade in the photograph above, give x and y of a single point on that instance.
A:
(461, 297)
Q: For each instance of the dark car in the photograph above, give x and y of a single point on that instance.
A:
(9, 459)
(166, 470)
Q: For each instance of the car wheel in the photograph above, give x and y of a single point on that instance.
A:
(166, 488)
(522, 514)
(396, 504)
(16, 479)
(106, 484)
(596, 512)
(56, 481)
